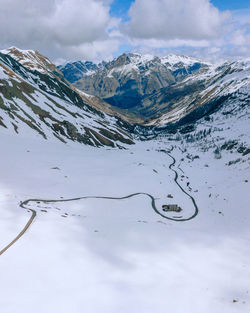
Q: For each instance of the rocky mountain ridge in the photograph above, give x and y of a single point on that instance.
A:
(124, 81)
(164, 90)
(36, 99)
(35, 95)
(74, 71)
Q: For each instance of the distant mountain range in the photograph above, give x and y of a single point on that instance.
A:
(107, 103)
(160, 90)
(125, 81)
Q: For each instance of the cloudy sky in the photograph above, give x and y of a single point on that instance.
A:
(100, 29)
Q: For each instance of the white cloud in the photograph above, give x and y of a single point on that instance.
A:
(174, 19)
(240, 29)
(98, 50)
(53, 26)
(240, 38)
(230, 41)
(84, 29)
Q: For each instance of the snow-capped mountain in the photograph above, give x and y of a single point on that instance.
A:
(32, 60)
(181, 65)
(123, 81)
(164, 219)
(164, 90)
(126, 80)
(161, 93)
(199, 94)
(36, 99)
(76, 70)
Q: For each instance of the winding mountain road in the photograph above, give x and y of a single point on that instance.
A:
(22, 232)
(196, 209)
(153, 204)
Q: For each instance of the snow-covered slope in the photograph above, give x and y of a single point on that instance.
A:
(173, 60)
(90, 233)
(74, 71)
(197, 95)
(122, 251)
(34, 99)
(143, 64)
(125, 80)
(32, 60)
(164, 90)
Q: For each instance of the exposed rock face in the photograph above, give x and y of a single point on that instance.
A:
(159, 91)
(197, 95)
(135, 89)
(33, 60)
(35, 99)
(76, 70)
(124, 81)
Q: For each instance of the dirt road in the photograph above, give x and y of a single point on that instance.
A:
(26, 227)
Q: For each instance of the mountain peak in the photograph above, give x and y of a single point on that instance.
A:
(31, 59)
(17, 51)
(136, 58)
(75, 70)
(174, 59)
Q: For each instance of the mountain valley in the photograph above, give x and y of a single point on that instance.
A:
(163, 90)
(93, 154)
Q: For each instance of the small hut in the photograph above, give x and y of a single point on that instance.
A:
(171, 208)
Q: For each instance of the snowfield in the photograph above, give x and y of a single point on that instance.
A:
(82, 229)
(97, 255)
